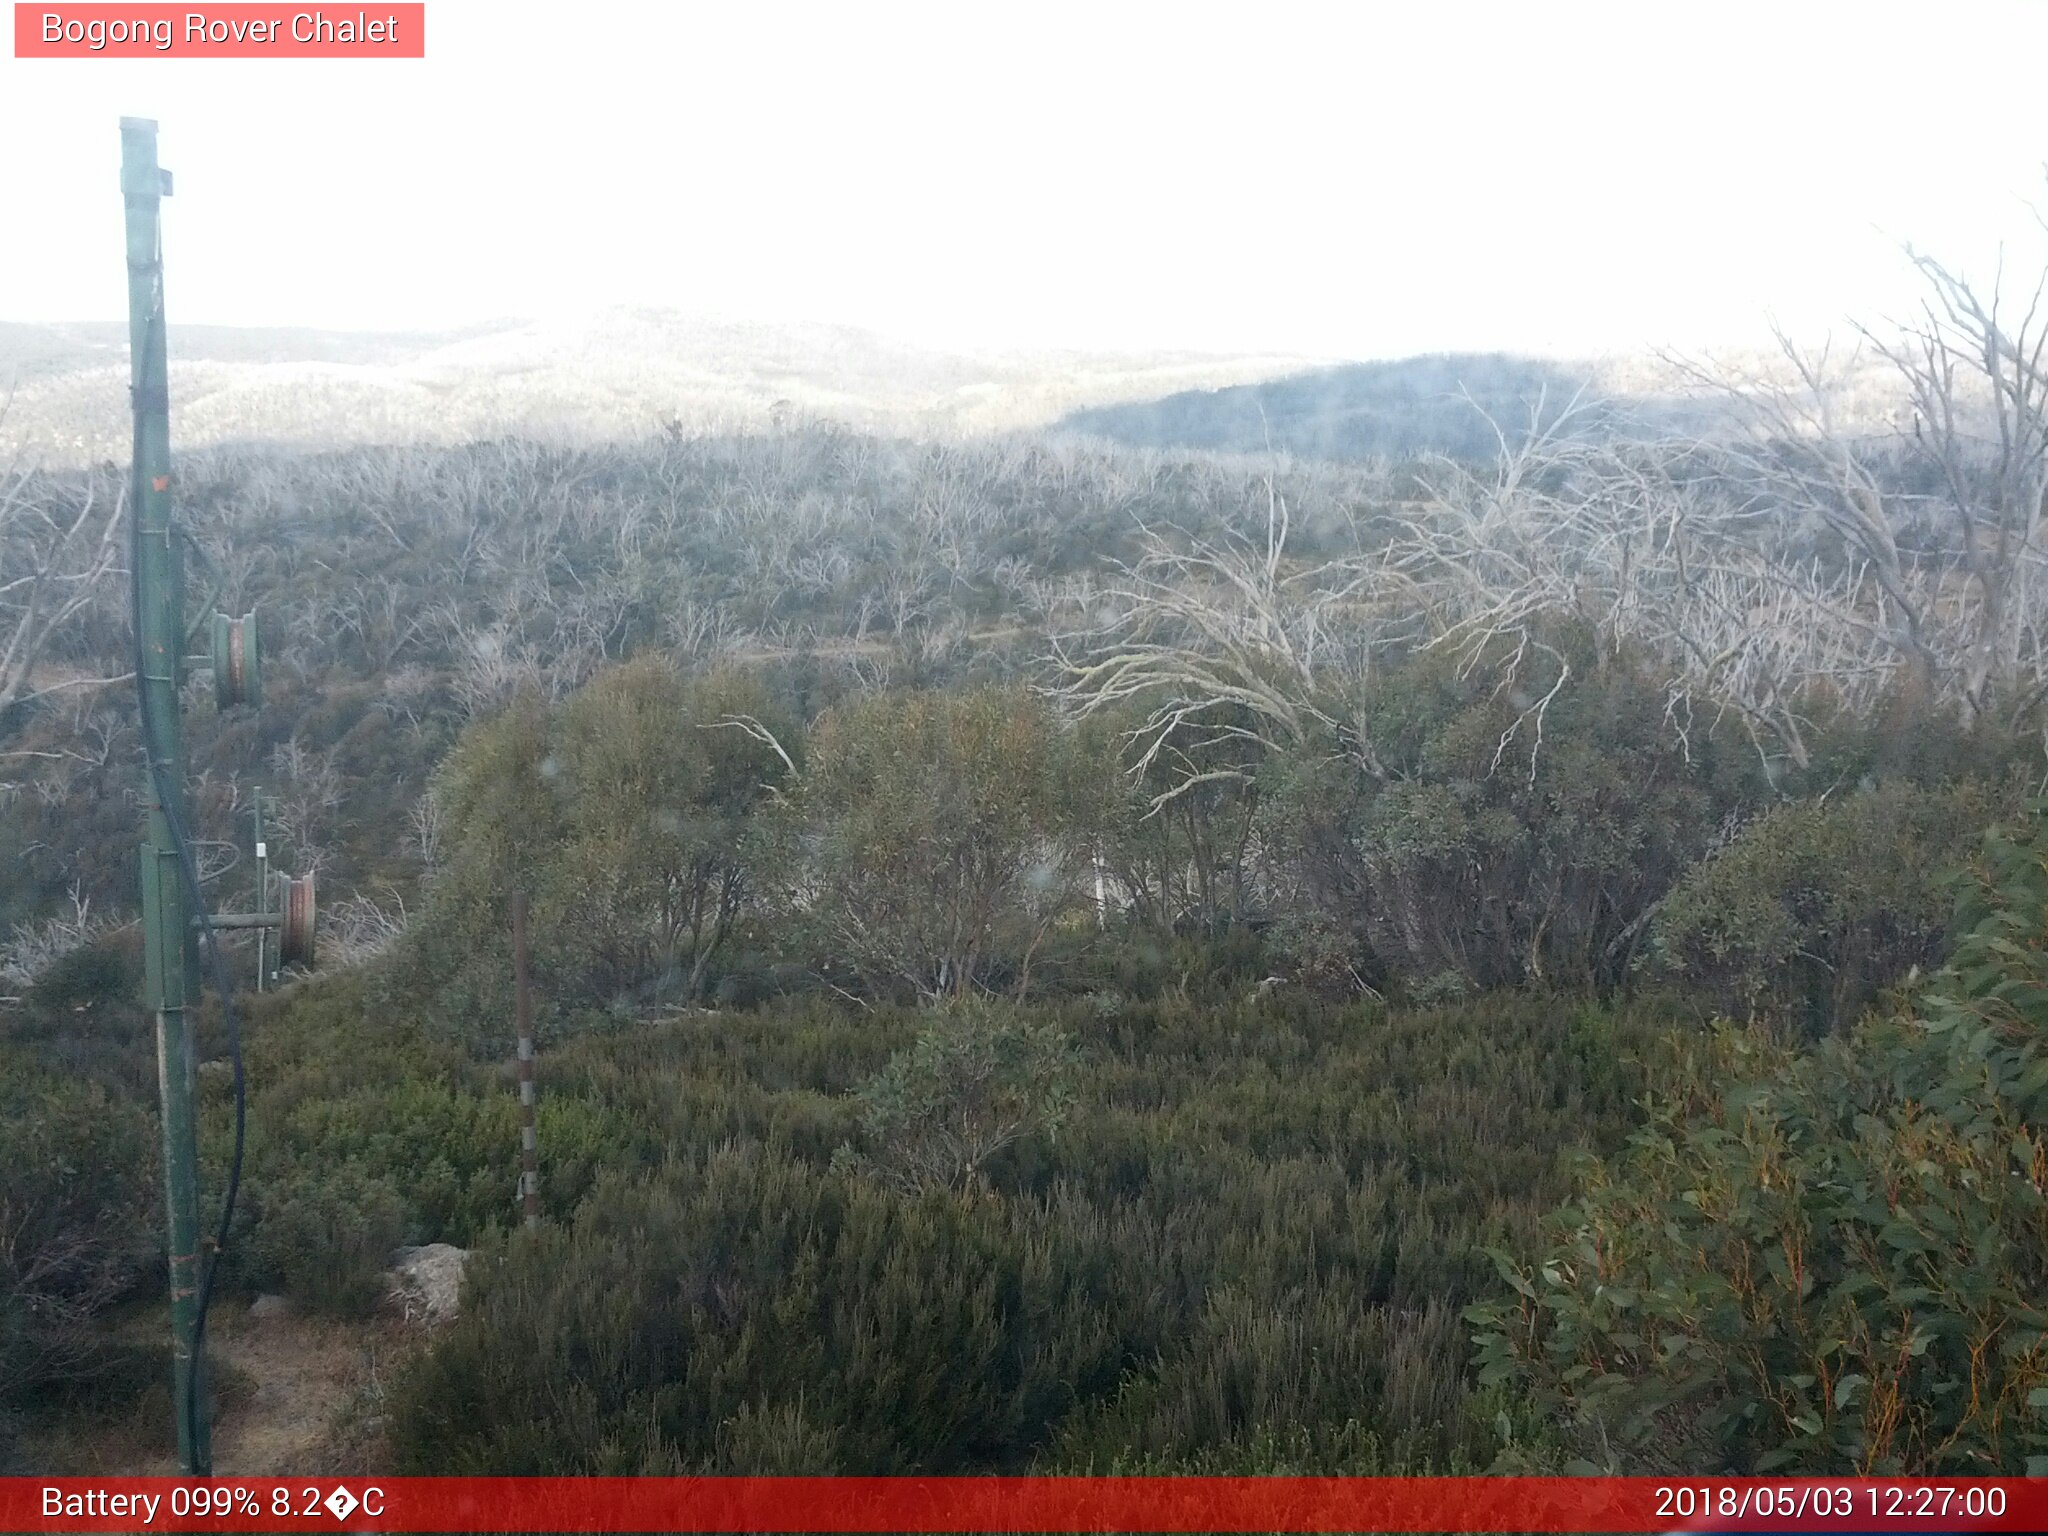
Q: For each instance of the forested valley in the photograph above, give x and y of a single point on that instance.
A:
(1060, 956)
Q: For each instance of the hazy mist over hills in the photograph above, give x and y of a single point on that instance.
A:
(1442, 404)
(613, 373)
(625, 373)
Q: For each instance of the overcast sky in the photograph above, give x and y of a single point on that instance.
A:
(1359, 180)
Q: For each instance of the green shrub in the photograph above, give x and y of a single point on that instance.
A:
(91, 976)
(1253, 1229)
(1823, 1262)
(911, 1334)
(450, 1150)
(503, 820)
(1174, 838)
(1502, 832)
(1818, 905)
(625, 813)
(931, 847)
(340, 1089)
(658, 777)
(79, 1223)
(327, 1240)
(975, 1080)
(83, 1020)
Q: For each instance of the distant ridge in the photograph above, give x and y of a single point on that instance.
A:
(622, 372)
(1442, 403)
(609, 373)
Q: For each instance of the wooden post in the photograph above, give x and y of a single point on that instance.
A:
(529, 1144)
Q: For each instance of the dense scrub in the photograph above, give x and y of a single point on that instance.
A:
(1817, 905)
(1247, 1222)
(1441, 830)
(693, 839)
(404, 592)
(1178, 1231)
(950, 1068)
(1824, 1259)
(78, 1231)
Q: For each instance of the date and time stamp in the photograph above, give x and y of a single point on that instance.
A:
(1918, 1506)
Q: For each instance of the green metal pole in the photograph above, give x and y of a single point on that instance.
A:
(168, 942)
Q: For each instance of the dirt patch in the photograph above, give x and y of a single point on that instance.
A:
(296, 1396)
(311, 1398)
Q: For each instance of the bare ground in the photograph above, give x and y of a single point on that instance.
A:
(297, 1396)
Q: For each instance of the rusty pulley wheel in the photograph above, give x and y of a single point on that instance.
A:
(295, 933)
(237, 661)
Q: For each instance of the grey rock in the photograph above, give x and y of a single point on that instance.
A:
(425, 1283)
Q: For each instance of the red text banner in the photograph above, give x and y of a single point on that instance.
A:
(102, 31)
(990, 1504)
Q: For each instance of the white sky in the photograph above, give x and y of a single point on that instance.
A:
(1342, 180)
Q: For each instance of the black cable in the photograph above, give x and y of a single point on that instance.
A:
(188, 868)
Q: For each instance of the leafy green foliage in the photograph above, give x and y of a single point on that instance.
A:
(327, 1240)
(1182, 864)
(90, 977)
(1496, 833)
(658, 778)
(502, 818)
(82, 1020)
(975, 1080)
(936, 838)
(1824, 1261)
(1817, 905)
(625, 812)
(368, 1129)
(904, 1332)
